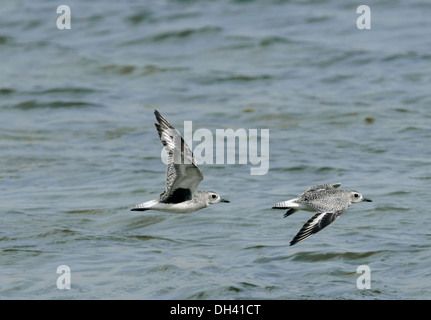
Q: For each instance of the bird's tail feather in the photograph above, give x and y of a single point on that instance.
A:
(139, 209)
(281, 205)
(144, 206)
(284, 205)
(289, 212)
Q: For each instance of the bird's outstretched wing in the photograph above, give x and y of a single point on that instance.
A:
(321, 187)
(316, 223)
(182, 174)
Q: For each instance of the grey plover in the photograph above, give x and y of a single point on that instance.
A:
(326, 200)
(182, 176)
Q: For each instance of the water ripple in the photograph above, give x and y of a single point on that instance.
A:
(34, 104)
(317, 256)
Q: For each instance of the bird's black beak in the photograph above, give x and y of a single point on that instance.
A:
(367, 200)
(224, 200)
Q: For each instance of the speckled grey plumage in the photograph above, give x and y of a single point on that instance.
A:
(326, 200)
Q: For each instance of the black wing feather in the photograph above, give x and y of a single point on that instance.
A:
(317, 222)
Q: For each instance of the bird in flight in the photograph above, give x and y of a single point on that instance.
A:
(326, 201)
(182, 176)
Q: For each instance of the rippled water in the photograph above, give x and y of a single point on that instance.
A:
(79, 148)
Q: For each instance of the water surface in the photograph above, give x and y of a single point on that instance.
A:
(79, 148)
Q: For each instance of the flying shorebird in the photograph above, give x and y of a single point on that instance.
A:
(326, 200)
(182, 176)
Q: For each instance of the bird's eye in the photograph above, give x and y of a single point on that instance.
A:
(356, 195)
(213, 196)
